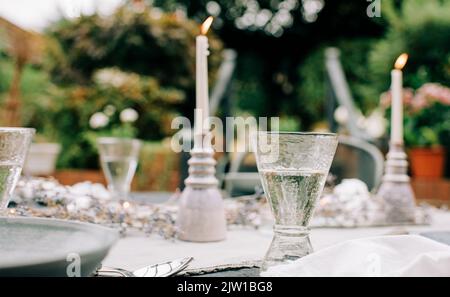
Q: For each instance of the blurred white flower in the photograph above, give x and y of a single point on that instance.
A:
(361, 121)
(341, 115)
(79, 203)
(98, 120)
(156, 13)
(350, 190)
(111, 77)
(109, 110)
(376, 124)
(94, 190)
(128, 115)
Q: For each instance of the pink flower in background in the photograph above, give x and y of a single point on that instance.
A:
(386, 98)
(430, 93)
(422, 98)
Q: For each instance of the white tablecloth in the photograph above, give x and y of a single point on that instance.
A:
(242, 245)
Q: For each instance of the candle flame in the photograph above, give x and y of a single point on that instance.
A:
(401, 61)
(206, 24)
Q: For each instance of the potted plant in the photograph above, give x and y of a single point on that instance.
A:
(42, 157)
(44, 152)
(427, 130)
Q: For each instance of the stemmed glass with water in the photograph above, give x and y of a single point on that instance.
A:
(14, 145)
(119, 160)
(293, 168)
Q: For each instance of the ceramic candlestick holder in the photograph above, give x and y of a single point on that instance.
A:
(395, 189)
(201, 214)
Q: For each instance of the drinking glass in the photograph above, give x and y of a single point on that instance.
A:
(119, 159)
(293, 168)
(14, 144)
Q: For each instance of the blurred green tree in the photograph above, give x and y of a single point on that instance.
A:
(420, 28)
(135, 39)
(136, 58)
(311, 89)
(274, 37)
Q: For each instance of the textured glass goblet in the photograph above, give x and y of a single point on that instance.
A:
(14, 144)
(119, 159)
(293, 168)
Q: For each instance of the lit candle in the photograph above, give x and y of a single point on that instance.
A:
(397, 100)
(202, 98)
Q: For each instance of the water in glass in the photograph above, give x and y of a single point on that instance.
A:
(293, 169)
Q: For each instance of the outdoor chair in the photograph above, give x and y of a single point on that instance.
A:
(339, 94)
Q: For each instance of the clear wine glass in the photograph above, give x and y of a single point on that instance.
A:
(14, 145)
(293, 168)
(119, 160)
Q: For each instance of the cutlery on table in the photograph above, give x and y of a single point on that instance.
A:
(164, 269)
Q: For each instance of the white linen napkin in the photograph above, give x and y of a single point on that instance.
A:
(401, 255)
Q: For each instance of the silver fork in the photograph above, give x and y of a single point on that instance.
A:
(164, 269)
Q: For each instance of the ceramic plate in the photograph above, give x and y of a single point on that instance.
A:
(49, 247)
(441, 236)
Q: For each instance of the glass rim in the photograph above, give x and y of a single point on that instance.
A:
(327, 134)
(110, 140)
(17, 129)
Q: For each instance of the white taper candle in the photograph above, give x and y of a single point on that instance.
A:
(397, 106)
(202, 97)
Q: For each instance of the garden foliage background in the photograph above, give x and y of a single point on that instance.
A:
(142, 57)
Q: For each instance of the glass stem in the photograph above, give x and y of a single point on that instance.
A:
(289, 243)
